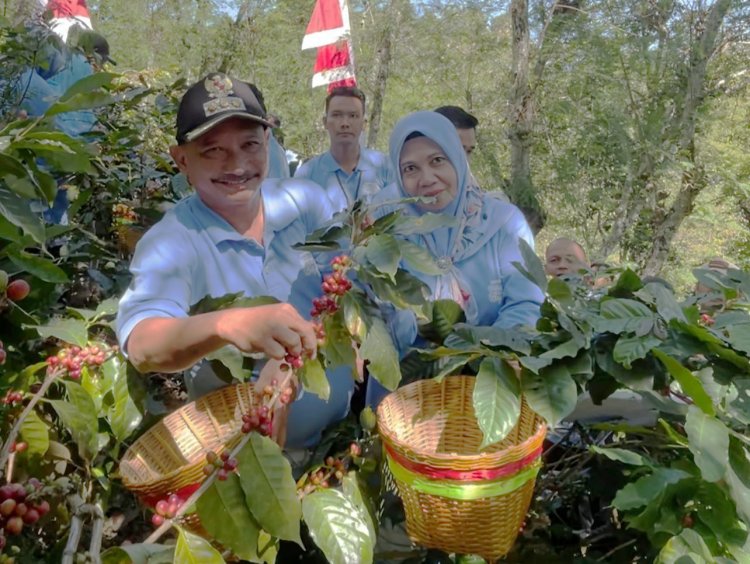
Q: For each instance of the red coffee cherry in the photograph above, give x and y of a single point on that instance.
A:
(17, 290)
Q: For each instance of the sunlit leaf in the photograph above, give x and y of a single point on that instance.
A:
(78, 414)
(686, 548)
(689, 383)
(497, 400)
(71, 331)
(337, 527)
(126, 412)
(709, 443)
(313, 378)
(270, 490)
(192, 549)
(35, 433)
(379, 350)
(224, 514)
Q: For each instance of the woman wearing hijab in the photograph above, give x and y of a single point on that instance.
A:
(476, 252)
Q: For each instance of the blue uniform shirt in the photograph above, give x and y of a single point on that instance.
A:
(193, 253)
(372, 174)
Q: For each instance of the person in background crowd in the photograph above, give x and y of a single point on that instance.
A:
(565, 256)
(40, 87)
(465, 124)
(347, 171)
(235, 233)
(477, 250)
(466, 127)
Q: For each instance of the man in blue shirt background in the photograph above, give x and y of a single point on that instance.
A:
(234, 234)
(347, 171)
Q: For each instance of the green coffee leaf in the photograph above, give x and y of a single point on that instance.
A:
(225, 515)
(192, 549)
(497, 400)
(338, 527)
(270, 490)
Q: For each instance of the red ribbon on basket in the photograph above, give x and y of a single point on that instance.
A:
(463, 475)
(183, 493)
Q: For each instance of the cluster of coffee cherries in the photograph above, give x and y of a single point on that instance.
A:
(330, 473)
(12, 398)
(334, 286)
(222, 464)
(707, 320)
(260, 417)
(166, 508)
(17, 508)
(123, 213)
(73, 359)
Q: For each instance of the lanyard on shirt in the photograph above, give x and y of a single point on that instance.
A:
(341, 185)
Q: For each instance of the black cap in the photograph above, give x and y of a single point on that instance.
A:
(93, 43)
(212, 100)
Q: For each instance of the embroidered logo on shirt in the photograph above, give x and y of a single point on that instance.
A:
(496, 291)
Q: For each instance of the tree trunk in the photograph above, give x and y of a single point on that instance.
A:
(234, 38)
(392, 20)
(521, 119)
(684, 130)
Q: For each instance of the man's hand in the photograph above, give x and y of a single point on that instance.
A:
(274, 330)
(166, 344)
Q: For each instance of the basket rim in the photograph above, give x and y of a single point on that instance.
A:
(131, 455)
(388, 436)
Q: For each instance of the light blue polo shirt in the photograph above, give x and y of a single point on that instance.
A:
(193, 253)
(372, 174)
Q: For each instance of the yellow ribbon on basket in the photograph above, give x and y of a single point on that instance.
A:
(462, 490)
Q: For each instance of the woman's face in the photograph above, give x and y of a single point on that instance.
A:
(427, 172)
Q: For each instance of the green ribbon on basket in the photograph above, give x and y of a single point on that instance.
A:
(462, 490)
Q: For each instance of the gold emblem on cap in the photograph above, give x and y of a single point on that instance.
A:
(220, 89)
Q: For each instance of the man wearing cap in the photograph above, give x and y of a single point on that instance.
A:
(234, 234)
(347, 171)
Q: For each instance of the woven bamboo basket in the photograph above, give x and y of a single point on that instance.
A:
(458, 498)
(171, 455)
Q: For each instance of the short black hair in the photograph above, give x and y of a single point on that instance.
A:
(460, 118)
(258, 95)
(349, 91)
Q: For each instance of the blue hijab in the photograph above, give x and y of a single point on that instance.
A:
(468, 233)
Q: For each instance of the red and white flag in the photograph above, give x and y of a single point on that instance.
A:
(329, 31)
(66, 14)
